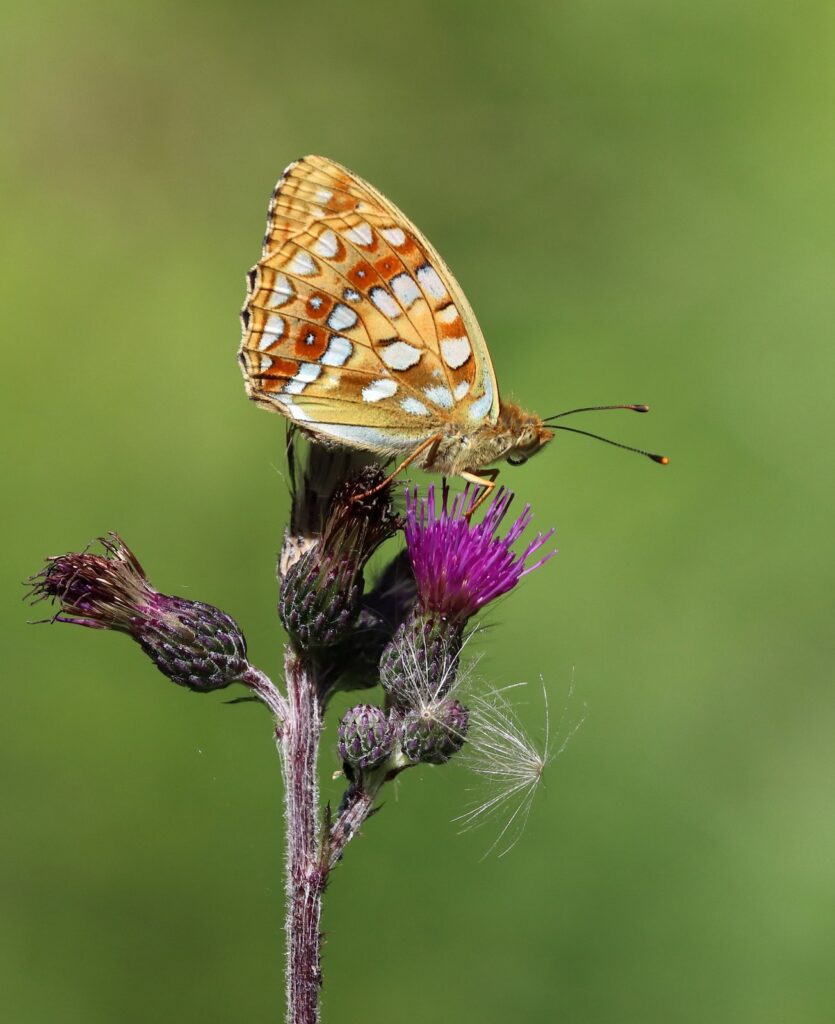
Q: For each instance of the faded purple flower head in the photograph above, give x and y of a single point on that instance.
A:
(460, 566)
(321, 589)
(195, 644)
(109, 591)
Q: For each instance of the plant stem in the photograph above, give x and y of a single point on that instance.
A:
(309, 861)
(356, 807)
(264, 688)
(305, 879)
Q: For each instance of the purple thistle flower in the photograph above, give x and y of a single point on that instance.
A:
(461, 566)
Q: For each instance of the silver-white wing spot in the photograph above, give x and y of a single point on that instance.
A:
(456, 351)
(282, 291)
(413, 406)
(341, 318)
(449, 314)
(302, 264)
(406, 289)
(482, 406)
(338, 351)
(273, 330)
(430, 282)
(361, 234)
(306, 374)
(385, 303)
(394, 236)
(440, 395)
(326, 245)
(379, 389)
(400, 355)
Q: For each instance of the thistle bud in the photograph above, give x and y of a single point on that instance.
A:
(434, 734)
(365, 737)
(419, 664)
(195, 644)
(319, 599)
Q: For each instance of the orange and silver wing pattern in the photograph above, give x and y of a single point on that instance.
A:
(354, 326)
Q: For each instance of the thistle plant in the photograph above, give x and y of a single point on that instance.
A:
(400, 636)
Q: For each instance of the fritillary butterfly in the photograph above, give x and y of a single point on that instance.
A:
(355, 329)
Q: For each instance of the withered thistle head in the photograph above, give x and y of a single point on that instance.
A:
(315, 474)
(195, 644)
(321, 592)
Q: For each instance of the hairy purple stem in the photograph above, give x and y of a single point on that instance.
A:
(264, 688)
(357, 807)
(309, 862)
(305, 879)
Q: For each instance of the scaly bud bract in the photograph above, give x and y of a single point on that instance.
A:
(365, 737)
(418, 665)
(319, 599)
(435, 733)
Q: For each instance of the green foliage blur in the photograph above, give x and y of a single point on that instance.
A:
(639, 198)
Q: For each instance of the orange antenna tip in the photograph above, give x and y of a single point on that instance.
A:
(662, 460)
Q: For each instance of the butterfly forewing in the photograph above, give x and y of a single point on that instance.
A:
(353, 325)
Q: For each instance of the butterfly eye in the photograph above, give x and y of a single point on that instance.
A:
(517, 460)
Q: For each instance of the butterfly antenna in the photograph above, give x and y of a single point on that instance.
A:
(597, 408)
(661, 459)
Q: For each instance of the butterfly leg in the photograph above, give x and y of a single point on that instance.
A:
(430, 443)
(487, 480)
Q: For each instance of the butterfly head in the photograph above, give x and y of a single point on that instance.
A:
(522, 433)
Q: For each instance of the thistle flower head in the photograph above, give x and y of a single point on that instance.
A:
(108, 591)
(461, 566)
(317, 477)
(195, 644)
(360, 517)
(321, 590)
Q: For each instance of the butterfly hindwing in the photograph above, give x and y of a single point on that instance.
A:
(353, 325)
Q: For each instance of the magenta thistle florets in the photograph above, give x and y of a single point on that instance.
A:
(461, 566)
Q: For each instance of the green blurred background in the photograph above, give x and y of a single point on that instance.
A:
(639, 199)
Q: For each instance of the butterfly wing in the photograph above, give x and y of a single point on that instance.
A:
(353, 325)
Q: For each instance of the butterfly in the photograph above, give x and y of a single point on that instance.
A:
(356, 330)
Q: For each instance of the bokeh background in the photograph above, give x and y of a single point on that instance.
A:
(639, 200)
